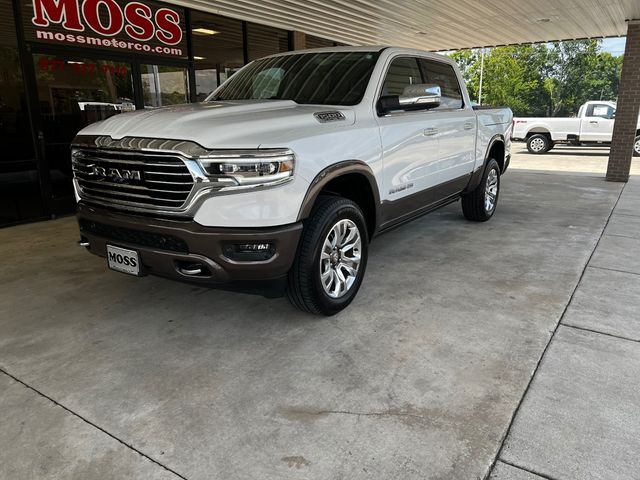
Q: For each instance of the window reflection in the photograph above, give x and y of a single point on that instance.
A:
(74, 92)
(164, 85)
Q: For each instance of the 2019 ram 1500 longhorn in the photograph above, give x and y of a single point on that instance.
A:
(288, 170)
(592, 126)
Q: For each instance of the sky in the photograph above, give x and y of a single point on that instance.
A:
(615, 46)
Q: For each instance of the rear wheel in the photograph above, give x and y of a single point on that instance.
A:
(331, 259)
(480, 204)
(538, 144)
(636, 147)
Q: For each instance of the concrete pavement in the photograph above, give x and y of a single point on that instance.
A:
(580, 418)
(419, 378)
(566, 159)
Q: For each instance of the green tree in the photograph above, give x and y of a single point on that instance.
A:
(542, 79)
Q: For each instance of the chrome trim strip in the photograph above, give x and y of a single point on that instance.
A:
(134, 187)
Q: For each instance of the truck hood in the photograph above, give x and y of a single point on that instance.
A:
(227, 124)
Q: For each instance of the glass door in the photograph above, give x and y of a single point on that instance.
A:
(164, 85)
(74, 92)
(20, 198)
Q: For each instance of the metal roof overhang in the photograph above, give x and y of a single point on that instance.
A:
(435, 24)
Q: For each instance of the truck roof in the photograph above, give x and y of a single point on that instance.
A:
(367, 48)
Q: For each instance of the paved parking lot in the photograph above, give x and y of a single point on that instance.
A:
(108, 376)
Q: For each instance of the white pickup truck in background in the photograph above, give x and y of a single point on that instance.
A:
(288, 170)
(593, 125)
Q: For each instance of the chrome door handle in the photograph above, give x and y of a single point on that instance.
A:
(468, 126)
(593, 121)
(429, 132)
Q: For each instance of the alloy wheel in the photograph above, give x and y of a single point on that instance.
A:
(340, 258)
(491, 191)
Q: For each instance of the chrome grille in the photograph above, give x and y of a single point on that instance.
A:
(141, 179)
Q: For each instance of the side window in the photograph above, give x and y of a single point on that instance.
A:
(599, 110)
(402, 72)
(443, 75)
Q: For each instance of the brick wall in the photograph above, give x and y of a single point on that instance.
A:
(624, 130)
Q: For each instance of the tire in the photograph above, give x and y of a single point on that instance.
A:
(636, 147)
(538, 144)
(480, 204)
(332, 218)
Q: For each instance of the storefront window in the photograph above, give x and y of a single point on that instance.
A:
(164, 85)
(20, 197)
(217, 50)
(74, 92)
(318, 42)
(264, 40)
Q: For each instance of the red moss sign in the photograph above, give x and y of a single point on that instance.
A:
(134, 26)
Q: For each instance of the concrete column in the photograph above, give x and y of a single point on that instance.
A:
(299, 41)
(625, 128)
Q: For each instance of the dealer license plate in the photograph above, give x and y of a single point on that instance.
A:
(123, 260)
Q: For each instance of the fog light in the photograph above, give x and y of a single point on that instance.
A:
(249, 252)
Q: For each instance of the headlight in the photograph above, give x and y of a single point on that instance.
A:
(249, 168)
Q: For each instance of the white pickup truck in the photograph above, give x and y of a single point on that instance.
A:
(288, 170)
(592, 126)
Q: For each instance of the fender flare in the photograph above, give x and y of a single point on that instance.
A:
(331, 173)
(476, 176)
(547, 131)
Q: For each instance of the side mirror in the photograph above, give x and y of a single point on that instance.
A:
(388, 103)
(414, 97)
(422, 95)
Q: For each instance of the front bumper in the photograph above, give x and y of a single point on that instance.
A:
(173, 248)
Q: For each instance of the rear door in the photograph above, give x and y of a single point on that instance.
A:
(597, 124)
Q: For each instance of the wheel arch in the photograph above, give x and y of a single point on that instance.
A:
(538, 131)
(352, 179)
(496, 144)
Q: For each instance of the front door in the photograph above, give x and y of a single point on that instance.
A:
(409, 143)
(597, 124)
(428, 155)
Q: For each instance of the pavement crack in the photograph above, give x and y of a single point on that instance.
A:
(373, 414)
(77, 415)
(614, 270)
(297, 413)
(598, 332)
(528, 470)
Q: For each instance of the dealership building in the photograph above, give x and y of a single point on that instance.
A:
(68, 63)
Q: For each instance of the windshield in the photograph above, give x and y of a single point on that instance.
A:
(330, 78)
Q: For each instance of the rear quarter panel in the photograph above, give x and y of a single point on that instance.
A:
(492, 123)
(559, 128)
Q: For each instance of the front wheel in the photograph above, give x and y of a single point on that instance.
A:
(538, 144)
(636, 147)
(331, 259)
(480, 204)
